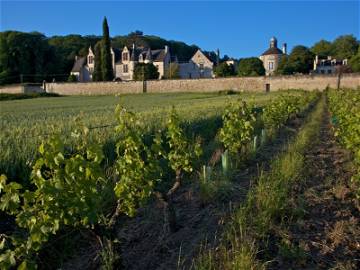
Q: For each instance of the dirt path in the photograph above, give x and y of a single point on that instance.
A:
(329, 233)
(141, 242)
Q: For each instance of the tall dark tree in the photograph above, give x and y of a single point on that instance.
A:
(225, 70)
(106, 61)
(252, 66)
(300, 60)
(145, 72)
(97, 74)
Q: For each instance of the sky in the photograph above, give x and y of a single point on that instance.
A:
(237, 28)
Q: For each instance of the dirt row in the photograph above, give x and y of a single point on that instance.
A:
(328, 235)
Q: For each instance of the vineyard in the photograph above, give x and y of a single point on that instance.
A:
(181, 181)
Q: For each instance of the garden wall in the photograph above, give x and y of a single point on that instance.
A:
(275, 83)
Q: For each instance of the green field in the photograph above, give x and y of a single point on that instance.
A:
(24, 123)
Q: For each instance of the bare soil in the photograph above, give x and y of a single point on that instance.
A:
(329, 233)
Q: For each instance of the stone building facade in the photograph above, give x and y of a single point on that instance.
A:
(124, 61)
(328, 65)
(272, 56)
(199, 66)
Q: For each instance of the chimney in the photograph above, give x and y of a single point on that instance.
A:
(76, 57)
(133, 46)
(166, 48)
(284, 48)
(217, 56)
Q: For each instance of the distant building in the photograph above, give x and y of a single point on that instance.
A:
(272, 56)
(199, 66)
(124, 61)
(329, 65)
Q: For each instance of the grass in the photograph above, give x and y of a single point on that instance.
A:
(24, 123)
(5, 96)
(245, 243)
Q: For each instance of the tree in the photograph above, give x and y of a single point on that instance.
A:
(355, 62)
(300, 60)
(225, 70)
(172, 72)
(322, 48)
(284, 68)
(252, 66)
(345, 47)
(72, 78)
(145, 72)
(98, 74)
(106, 59)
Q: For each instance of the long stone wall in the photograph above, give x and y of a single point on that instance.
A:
(21, 89)
(275, 83)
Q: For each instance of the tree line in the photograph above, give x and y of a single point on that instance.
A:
(33, 57)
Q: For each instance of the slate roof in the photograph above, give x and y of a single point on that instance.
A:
(79, 63)
(272, 50)
(147, 54)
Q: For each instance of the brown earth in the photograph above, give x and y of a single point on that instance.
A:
(328, 236)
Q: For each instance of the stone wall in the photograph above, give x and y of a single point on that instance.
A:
(21, 89)
(306, 82)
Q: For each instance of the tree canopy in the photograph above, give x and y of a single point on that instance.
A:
(225, 70)
(252, 66)
(300, 60)
(322, 48)
(145, 72)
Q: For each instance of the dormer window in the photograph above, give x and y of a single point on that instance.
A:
(91, 59)
(125, 56)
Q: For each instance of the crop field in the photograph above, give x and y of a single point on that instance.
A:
(181, 181)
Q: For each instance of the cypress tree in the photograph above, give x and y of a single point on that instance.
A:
(106, 61)
(97, 75)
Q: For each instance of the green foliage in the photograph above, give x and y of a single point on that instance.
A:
(344, 47)
(276, 113)
(252, 66)
(238, 126)
(300, 60)
(182, 152)
(225, 70)
(355, 62)
(25, 53)
(136, 165)
(66, 191)
(106, 59)
(97, 74)
(322, 48)
(72, 78)
(146, 71)
(345, 108)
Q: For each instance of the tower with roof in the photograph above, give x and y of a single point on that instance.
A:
(272, 56)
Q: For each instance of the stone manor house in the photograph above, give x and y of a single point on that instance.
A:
(124, 61)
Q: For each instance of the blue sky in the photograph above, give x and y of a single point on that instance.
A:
(238, 28)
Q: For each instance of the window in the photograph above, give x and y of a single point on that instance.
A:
(201, 66)
(125, 68)
(329, 71)
(125, 56)
(271, 65)
(91, 59)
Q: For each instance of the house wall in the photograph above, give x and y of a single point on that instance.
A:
(275, 58)
(306, 82)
